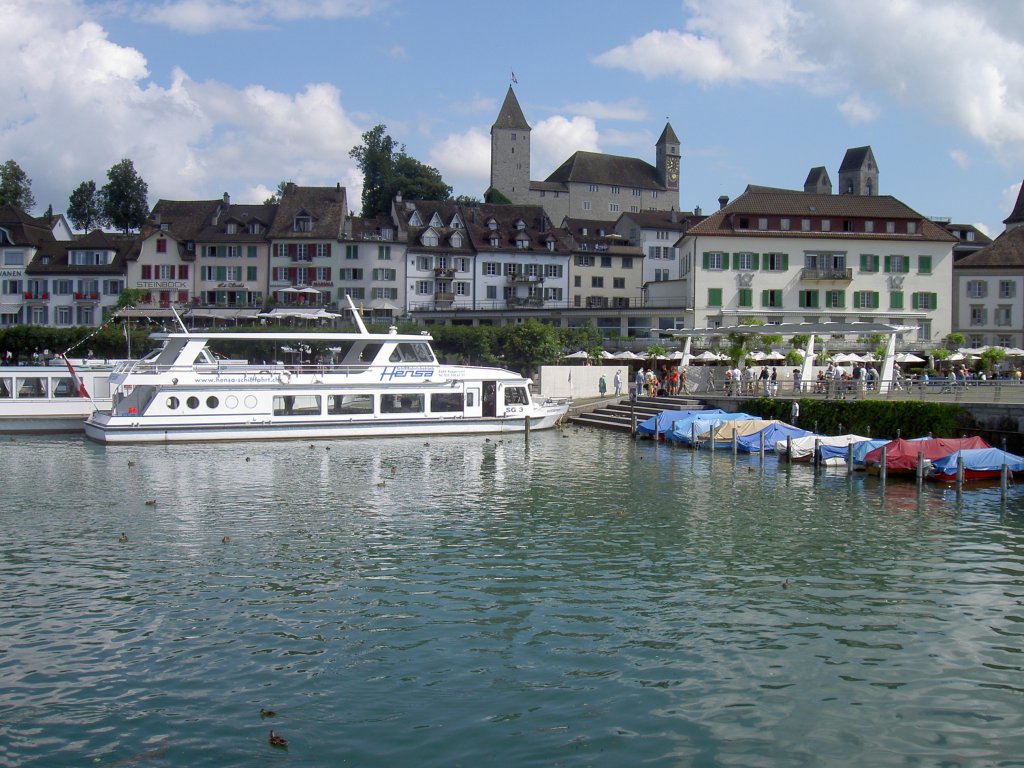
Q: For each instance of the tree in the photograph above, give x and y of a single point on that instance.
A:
(85, 207)
(124, 197)
(528, 344)
(466, 200)
(16, 186)
(387, 170)
(275, 198)
(494, 197)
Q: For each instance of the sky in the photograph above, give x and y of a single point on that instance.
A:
(214, 96)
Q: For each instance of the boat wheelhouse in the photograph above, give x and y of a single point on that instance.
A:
(357, 384)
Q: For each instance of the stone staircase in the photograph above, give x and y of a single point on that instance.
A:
(616, 416)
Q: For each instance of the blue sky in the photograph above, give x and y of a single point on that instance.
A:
(208, 96)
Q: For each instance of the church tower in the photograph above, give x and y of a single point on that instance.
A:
(510, 151)
(858, 175)
(667, 163)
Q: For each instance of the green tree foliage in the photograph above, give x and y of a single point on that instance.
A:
(586, 337)
(528, 344)
(466, 200)
(879, 418)
(473, 344)
(494, 197)
(124, 197)
(387, 170)
(85, 207)
(16, 186)
(275, 198)
(955, 340)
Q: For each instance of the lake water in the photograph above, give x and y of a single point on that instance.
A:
(575, 600)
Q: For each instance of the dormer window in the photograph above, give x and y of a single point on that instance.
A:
(522, 242)
(429, 238)
(456, 240)
(415, 220)
(520, 224)
(456, 222)
(551, 245)
(303, 224)
(255, 228)
(492, 225)
(435, 221)
(494, 241)
(231, 228)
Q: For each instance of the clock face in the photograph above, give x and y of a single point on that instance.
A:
(673, 168)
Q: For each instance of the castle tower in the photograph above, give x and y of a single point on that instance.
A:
(818, 182)
(1016, 217)
(858, 175)
(510, 151)
(667, 158)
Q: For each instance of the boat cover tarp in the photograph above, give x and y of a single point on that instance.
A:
(665, 419)
(979, 460)
(773, 433)
(682, 430)
(860, 450)
(901, 455)
(803, 447)
(739, 427)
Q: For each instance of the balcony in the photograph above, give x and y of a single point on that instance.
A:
(36, 296)
(442, 296)
(87, 297)
(444, 272)
(524, 279)
(533, 302)
(814, 273)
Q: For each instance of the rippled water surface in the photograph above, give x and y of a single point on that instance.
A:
(575, 600)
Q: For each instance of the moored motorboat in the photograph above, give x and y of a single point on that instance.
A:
(362, 384)
(901, 456)
(979, 464)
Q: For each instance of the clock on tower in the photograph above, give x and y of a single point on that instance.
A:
(673, 170)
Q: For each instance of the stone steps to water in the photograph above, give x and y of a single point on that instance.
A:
(616, 416)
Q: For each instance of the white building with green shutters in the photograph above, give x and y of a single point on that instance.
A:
(790, 256)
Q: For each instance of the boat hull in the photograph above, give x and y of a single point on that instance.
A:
(118, 430)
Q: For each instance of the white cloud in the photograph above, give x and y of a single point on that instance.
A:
(599, 110)
(960, 61)
(465, 157)
(557, 137)
(856, 110)
(187, 140)
(723, 41)
(201, 16)
(960, 159)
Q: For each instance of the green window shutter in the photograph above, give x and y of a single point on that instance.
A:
(250, 273)
(714, 297)
(913, 300)
(222, 273)
(785, 262)
(896, 300)
(746, 297)
(250, 252)
(764, 298)
(756, 257)
(842, 299)
(906, 264)
(888, 263)
(874, 299)
(924, 265)
(874, 263)
(865, 262)
(935, 300)
(707, 259)
(735, 261)
(803, 299)
(650, 255)
(672, 253)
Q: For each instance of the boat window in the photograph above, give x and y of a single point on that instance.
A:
(446, 402)
(412, 352)
(296, 405)
(515, 396)
(369, 353)
(5, 388)
(338, 405)
(173, 403)
(409, 402)
(192, 402)
(65, 387)
(212, 402)
(31, 386)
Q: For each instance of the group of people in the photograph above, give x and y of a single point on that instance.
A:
(667, 381)
(744, 382)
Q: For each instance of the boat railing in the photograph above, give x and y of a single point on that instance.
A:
(152, 368)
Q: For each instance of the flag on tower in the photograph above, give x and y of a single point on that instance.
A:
(514, 78)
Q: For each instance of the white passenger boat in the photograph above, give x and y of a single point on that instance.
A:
(51, 398)
(363, 385)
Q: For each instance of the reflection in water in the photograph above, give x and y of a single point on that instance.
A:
(579, 600)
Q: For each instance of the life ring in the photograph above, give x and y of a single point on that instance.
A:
(285, 377)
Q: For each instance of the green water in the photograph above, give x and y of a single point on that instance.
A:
(578, 600)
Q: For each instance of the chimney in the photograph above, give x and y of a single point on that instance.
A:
(697, 211)
(723, 201)
(674, 216)
(398, 196)
(227, 199)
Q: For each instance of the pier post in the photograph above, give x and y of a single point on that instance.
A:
(817, 455)
(959, 471)
(920, 469)
(882, 467)
(693, 436)
(849, 459)
(527, 426)
(762, 446)
(1004, 478)
(632, 416)
(735, 441)
(789, 447)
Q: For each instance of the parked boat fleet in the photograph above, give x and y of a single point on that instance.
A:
(939, 459)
